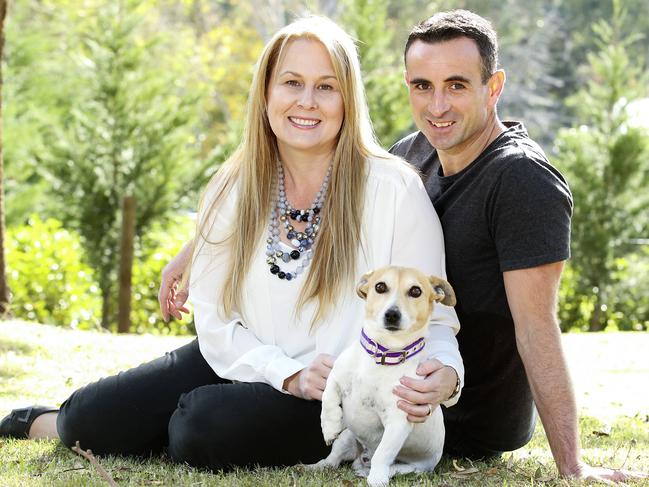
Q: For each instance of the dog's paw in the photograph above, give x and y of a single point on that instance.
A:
(374, 480)
(321, 465)
(330, 433)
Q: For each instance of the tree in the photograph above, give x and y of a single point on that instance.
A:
(4, 288)
(127, 133)
(605, 159)
(368, 21)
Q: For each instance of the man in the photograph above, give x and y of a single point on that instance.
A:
(506, 218)
(506, 213)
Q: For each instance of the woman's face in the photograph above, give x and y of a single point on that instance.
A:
(305, 106)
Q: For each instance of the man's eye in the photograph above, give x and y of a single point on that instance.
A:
(457, 86)
(414, 292)
(381, 287)
(422, 86)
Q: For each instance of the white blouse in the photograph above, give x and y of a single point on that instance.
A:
(269, 342)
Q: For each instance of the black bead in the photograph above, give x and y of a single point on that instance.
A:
(295, 214)
(274, 269)
(281, 275)
(295, 254)
(290, 235)
(316, 210)
(289, 276)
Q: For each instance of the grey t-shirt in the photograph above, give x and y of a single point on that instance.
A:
(509, 209)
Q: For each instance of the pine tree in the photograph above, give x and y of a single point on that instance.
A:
(606, 161)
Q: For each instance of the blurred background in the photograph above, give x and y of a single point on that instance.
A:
(118, 107)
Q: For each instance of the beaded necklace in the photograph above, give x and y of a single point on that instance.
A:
(302, 242)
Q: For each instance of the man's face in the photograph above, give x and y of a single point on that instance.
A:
(450, 104)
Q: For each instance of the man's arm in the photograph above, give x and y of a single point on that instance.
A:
(171, 299)
(532, 297)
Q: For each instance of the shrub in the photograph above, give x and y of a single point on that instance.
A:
(48, 279)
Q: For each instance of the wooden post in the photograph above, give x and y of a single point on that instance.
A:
(126, 264)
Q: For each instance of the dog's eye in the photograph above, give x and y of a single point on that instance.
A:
(414, 292)
(381, 287)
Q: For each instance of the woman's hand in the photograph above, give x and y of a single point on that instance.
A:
(172, 299)
(310, 382)
(419, 397)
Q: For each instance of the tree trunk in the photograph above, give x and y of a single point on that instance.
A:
(4, 288)
(126, 264)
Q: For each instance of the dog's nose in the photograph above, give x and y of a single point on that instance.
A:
(391, 318)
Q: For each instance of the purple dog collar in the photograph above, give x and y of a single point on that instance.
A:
(384, 356)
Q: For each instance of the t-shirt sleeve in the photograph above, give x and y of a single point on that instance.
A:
(529, 214)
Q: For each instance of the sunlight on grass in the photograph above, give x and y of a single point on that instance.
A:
(45, 364)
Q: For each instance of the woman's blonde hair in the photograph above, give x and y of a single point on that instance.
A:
(252, 169)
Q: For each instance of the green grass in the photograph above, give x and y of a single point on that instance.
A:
(43, 364)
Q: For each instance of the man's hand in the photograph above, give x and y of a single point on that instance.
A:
(603, 474)
(171, 298)
(310, 382)
(437, 385)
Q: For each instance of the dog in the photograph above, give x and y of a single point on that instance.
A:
(399, 302)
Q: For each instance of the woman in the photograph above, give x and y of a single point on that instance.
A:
(306, 205)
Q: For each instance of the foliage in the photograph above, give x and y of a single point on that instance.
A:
(48, 279)
(381, 64)
(127, 132)
(605, 161)
(51, 283)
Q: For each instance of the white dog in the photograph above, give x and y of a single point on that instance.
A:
(369, 424)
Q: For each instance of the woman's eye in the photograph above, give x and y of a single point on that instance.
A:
(381, 287)
(414, 292)
(293, 82)
(326, 87)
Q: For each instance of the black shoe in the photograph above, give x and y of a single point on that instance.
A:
(17, 423)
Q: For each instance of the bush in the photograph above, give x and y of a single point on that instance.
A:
(48, 279)
(627, 303)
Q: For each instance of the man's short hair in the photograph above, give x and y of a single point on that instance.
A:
(446, 26)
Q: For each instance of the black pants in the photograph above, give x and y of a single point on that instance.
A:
(178, 402)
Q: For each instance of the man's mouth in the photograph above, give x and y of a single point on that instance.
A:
(441, 125)
(304, 122)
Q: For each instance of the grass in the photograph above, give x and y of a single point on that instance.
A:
(43, 364)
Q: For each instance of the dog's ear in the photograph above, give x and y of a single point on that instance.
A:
(442, 291)
(362, 287)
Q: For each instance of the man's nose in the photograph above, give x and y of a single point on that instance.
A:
(438, 104)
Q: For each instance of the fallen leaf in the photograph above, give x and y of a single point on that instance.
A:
(491, 471)
(510, 461)
(347, 483)
(456, 466)
(538, 473)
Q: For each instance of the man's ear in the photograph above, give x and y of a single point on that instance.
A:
(406, 78)
(496, 84)
(363, 284)
(442, 291)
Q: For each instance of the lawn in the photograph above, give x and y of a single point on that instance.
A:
(43, 364)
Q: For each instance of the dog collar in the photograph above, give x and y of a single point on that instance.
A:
(385, 356)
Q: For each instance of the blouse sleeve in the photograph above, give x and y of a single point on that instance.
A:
(419, 242)
(228, 345)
